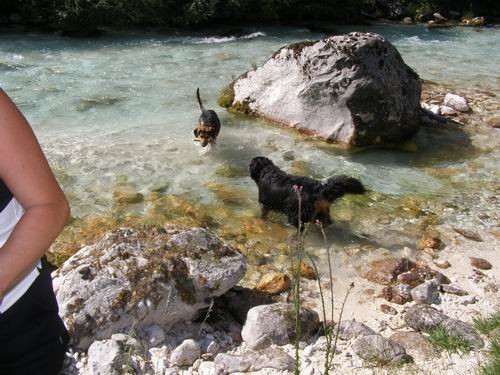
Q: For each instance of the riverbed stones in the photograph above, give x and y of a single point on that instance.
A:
(426, 318)
(352, 89)
(275, 324)
(135, 278)
(456, 102)
(480, 263)
(379, 350)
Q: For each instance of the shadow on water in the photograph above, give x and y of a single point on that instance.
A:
(429, 147)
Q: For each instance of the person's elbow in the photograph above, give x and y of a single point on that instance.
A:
(64, 210)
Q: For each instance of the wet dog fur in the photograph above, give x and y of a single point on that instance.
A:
(208, 125)
(277, 192)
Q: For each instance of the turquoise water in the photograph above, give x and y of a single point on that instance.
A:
(122, 108)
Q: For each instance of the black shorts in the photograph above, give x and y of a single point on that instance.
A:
(33, 339)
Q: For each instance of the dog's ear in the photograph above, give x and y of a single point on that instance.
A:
(196, 131)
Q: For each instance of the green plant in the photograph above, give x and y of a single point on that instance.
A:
(442, 340)
(489, 324)
(493, 365)
(331, 334)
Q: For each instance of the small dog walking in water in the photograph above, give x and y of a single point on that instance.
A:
(208, 125)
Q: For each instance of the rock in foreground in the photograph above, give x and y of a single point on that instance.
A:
(352, 89)
(134, 279)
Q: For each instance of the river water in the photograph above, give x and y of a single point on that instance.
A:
(116, 114)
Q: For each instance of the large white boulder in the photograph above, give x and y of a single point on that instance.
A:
(353, 89)
(135, 280)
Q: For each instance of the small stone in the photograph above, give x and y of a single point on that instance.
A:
(453, 289)
(407, 21)
(444, 264)
(186, 353)
(386, 309)
(307, 271)
(274, 283)
(493, 121)
(456, 102)
(127, 197)
(399, 294)
(447, 111)
(104, 357)
(386, 271)
(426, 293)
(480, 263)
(468, 234)
(468, 300)
(429, 241)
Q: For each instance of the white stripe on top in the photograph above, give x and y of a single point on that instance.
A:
(9, 217)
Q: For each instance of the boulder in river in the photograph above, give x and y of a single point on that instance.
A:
(352, 89)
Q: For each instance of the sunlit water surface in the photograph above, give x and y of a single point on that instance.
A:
(120, 109)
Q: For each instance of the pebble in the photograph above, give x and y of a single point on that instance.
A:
(468, 300)
(480, 263)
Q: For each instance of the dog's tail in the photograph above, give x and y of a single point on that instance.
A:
(199, 99)
(337, 186)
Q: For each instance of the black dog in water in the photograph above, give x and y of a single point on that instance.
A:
(278, 191)
(208, 125)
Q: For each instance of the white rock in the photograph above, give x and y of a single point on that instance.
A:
(159, 359)
(467, 300)
(456, 102)
(353, 89)
(447, 111)
(275, 324)
(186, 353)
(95, 302)
(210, 368)
(104, 358)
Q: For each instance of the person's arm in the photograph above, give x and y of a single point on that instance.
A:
(26, 172)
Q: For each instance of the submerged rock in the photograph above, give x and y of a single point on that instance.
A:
(134, 278)
(386, 271)
(353, 89)
(274, 283)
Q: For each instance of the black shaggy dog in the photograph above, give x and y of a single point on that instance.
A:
(208, 125)
(278, 192)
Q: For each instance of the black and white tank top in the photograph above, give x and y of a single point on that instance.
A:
(10, 213)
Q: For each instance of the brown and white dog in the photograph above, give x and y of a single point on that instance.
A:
(208, 125)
